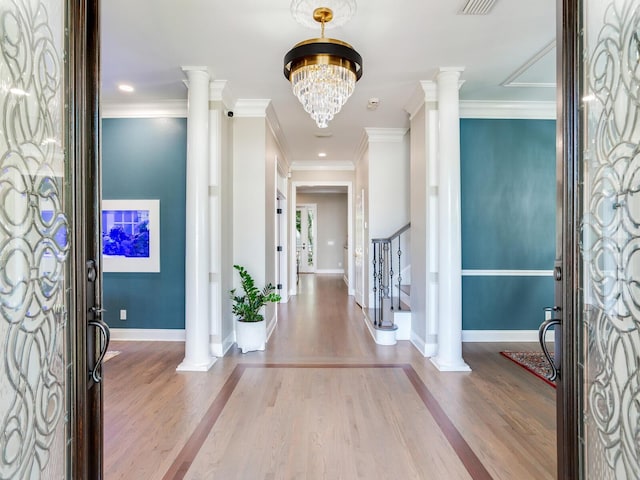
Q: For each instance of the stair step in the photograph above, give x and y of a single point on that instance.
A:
(405, 289)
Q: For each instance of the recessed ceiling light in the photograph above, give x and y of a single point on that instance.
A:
(18, 91)
(322, 154)
(323, 134)
(123, 87)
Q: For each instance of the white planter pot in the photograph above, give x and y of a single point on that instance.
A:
(251, 336)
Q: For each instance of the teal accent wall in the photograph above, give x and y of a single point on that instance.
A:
(505, 303)
(145, 158)
(508, 220)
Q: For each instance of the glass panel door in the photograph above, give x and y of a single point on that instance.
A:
(306, 238)
(34, 243)
(608, 203)
(50, 327)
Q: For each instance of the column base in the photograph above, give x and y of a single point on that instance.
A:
(188, 366)
(458, 366)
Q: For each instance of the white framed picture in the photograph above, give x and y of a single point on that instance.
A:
(131, 235)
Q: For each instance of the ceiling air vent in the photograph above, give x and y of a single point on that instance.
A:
(477, 7)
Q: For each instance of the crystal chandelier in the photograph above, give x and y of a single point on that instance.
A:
(323, 72)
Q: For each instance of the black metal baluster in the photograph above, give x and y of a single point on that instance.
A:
(381, 292)
(390, 258)
(375, 280)
(399, 273)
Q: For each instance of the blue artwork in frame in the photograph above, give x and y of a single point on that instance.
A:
(125, 233)
(131, 235)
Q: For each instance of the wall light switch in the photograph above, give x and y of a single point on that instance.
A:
(123, 314)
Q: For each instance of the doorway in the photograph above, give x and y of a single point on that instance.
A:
(342, 247)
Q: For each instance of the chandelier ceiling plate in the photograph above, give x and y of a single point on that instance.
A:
(303, 10)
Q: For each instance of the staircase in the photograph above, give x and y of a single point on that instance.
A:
(389, 314)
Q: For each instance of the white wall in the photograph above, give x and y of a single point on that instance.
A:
(424, 227)
(388, 199)
(362, 190)
(331, 229)
(255, 162)
(226, 235)
(272, 154)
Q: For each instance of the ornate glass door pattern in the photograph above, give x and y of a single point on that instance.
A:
(305, 238)
(34, 246)
(609, 190)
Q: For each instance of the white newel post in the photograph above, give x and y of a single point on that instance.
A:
(197, 327)
(449, 357)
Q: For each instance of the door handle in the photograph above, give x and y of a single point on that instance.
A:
(105, 335)
(542, 332)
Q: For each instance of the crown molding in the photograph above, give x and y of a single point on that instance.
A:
(249, 107)
(514, 110)
(510, 81)
(385, 135)
(219, 91)
(415, 102)
(276, 130)
(361, 149)
(164, 108)
(326, 166)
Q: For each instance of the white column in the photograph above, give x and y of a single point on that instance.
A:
(449, 357)
(197, 348)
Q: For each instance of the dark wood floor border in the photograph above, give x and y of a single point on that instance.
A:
(471, 462)
(322, 365)
(187, 455)
(183, 461)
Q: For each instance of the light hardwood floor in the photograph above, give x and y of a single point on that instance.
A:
(325, 402)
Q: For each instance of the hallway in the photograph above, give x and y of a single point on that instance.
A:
(324, 401)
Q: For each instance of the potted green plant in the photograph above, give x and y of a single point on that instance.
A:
(251, 331)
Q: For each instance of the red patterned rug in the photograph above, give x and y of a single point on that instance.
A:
(535, 362)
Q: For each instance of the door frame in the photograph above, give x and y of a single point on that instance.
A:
(83, 91)
(282, 242)
(360, 232)
(292, 222)
(568, 125)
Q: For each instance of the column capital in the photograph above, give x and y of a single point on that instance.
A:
(219, 91)
(252, 107)
(451, 73)
(430, 89)
(195, 74)
(194, 68)
(457, 70)
(385, 135)
(426, 92)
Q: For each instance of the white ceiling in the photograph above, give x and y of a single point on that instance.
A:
(508, 55)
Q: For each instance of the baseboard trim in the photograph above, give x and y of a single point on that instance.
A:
(272, 326)
(425, 349)
(221, 349)
(503, 336)
(148, 334)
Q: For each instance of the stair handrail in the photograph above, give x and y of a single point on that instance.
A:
(383, 273)
(395, 235)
